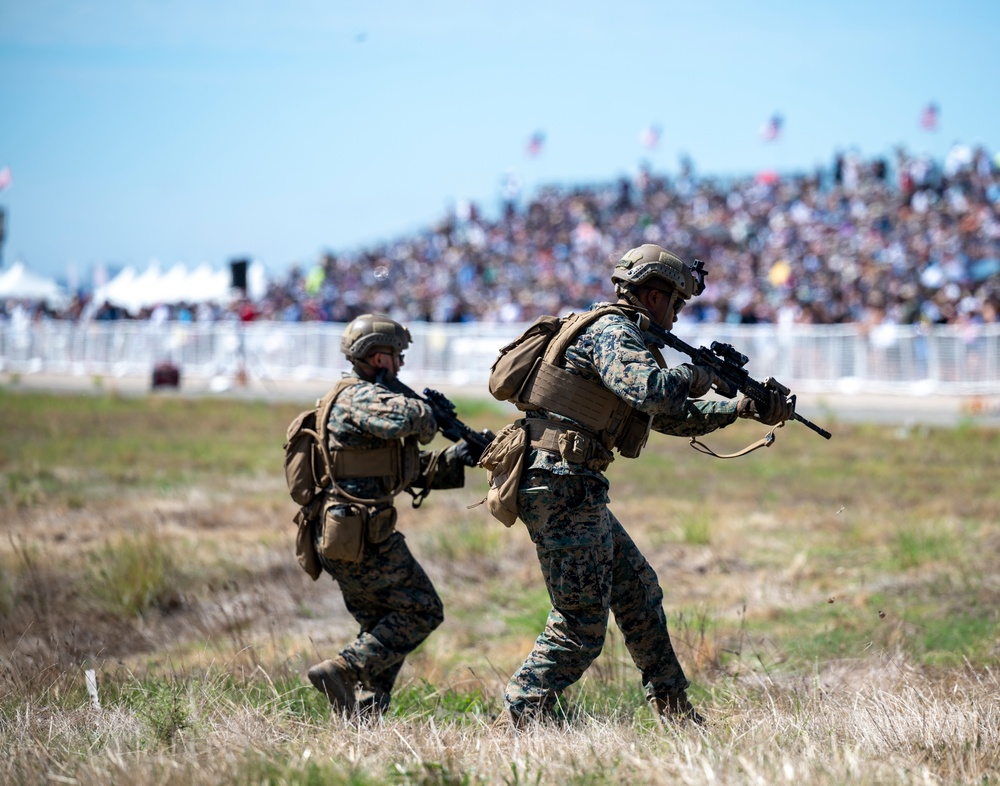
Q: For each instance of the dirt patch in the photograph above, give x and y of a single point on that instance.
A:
(243, 586)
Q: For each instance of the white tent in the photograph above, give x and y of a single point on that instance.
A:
(20, 283)
(117, 290)
(145, 289)
(207, 284)
(134, 291)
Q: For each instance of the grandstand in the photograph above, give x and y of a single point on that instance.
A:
(872, 277)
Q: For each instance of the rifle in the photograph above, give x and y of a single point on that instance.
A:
(728, 364)
(444, 414)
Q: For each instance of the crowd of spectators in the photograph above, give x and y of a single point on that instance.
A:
(851, 244)
(908, 240)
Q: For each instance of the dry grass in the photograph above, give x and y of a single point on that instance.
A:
(897, 726)
(834, 603)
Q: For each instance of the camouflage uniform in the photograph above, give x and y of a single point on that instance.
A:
(387, 592)
(589, 562)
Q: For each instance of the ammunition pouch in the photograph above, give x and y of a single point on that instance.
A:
(381, 523)
(341, 534)
(570, 442)
(345, 527)
(634, 434)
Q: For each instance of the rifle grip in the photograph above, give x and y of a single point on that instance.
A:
(725, 388)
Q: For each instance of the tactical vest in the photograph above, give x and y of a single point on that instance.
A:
(612, 421)
(398, 464)
(311, 465)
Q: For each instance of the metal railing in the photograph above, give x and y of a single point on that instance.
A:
(899, 359)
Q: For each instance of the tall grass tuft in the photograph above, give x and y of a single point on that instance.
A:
(134, 573)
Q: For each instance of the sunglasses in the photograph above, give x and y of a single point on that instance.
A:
(676, 299)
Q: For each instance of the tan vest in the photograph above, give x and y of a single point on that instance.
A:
(613, 422)
(398, 463)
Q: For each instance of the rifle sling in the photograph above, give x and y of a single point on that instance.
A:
(764, 442)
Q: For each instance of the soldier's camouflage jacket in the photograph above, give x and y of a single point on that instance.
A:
(369, 415)
(612, 352)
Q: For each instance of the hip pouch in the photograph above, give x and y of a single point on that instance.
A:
(305, 548)
(381, 524)
(342, 531)
(504, 462)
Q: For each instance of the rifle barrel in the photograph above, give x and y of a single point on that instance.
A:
(809, 424)
(750, 385)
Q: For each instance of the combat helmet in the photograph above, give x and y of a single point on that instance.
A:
(368, 331)
(649, 261)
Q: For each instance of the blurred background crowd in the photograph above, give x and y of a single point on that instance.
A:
(865, 240)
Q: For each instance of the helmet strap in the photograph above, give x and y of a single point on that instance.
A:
(626, 294)
(365, 369)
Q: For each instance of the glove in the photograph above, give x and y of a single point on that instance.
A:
(702, 379)
(778, 409)
(468, 453)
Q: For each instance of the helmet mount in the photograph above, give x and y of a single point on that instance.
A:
(640, 265)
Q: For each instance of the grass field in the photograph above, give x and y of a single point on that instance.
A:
(834, 603)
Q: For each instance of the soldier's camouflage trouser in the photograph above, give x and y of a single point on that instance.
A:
(590, 565)
(395, 603)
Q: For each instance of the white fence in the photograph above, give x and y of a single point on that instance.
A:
(959, 360)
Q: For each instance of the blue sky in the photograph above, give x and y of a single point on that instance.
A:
(202, 130)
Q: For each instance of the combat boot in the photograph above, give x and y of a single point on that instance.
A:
(372, 706)
(677, 709)
(335, 679)
(544, 713)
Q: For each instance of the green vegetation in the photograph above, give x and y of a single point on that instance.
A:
(56, 447)
(835, 605)
(135, 573)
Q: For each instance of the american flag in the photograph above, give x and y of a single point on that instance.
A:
(650, 136)
(771, 130)
(535, 144)
(5, 178)
(929, 117)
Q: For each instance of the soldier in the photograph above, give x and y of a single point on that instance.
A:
(611, 389)
(373, 438)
